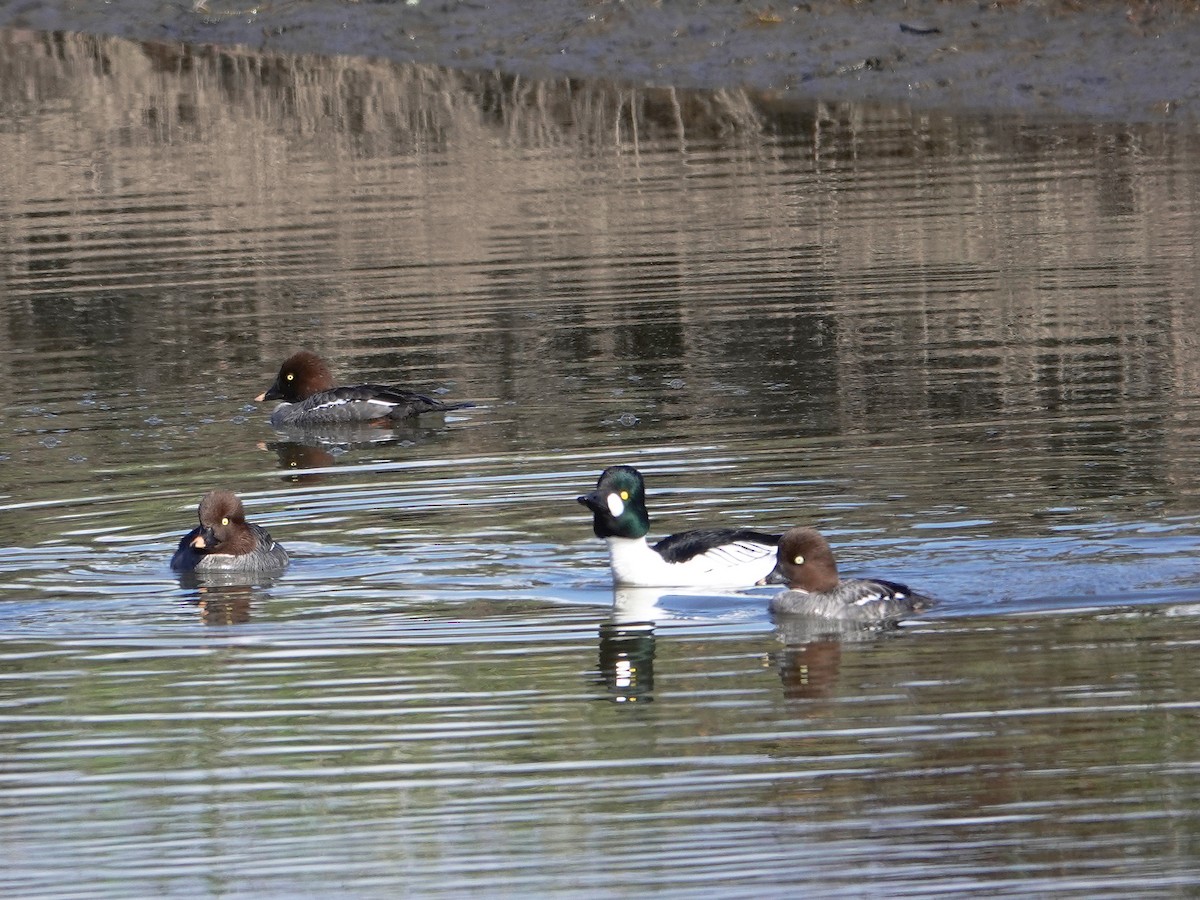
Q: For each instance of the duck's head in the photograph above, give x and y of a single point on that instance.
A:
(618, 504)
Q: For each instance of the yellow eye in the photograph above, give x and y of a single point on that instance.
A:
(225, 520)
(799, 560)
(624, 495)
(291, 376)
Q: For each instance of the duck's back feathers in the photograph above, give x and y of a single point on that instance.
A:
(359, 403)
(855, 600)
(734, 544)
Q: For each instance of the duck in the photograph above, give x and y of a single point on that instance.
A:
(706, 558)
(305, 385)
(225, 542)
(805, 563)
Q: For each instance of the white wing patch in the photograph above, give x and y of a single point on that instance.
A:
(385, 406)
(878, 593)
(330, 404)
(873, 597)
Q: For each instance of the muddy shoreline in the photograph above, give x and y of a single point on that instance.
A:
(1104, 61)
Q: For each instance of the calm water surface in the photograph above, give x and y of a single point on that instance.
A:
(967, 350)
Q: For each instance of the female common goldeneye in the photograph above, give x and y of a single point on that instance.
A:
(305, 385)
(225, 542)
(806, 565)
(718, 557)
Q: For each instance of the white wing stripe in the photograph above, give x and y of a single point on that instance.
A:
(739, 552)
(346, 401)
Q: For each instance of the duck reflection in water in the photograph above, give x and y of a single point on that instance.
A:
(627, 660)
(298, 460)
(627, 645)
(811, 656)
(224, 598)
(223, 604)
(304, 453)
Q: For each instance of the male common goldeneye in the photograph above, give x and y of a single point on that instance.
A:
(805, 564)
(305, 385)
(225, 542)
(717, 557)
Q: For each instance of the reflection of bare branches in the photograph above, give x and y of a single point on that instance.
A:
(337, 164)
(418, 105)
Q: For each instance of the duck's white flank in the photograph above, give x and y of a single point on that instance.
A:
(738, 564)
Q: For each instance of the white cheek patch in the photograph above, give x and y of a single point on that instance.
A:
(615, 505)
